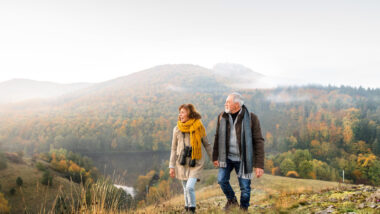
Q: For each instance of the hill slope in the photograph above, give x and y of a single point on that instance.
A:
(276, 194)
(33, 196)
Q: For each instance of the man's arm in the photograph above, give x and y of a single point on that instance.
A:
(215, 153)
(258, 142)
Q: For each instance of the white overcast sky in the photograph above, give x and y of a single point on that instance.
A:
(321, 41)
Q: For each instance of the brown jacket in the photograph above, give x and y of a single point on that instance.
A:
(184, 172)
(257, 138)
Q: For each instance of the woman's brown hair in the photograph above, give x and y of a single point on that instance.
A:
(193, 113)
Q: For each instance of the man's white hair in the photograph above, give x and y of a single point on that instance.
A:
(237, 98)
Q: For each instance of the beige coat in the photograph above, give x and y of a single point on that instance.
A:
(184, 172)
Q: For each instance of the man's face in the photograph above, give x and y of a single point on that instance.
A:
(230, 106)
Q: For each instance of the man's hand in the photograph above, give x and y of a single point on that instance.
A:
(259, 172)
(216, 163)
(172, 172)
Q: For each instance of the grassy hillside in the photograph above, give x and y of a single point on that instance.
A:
(32, 197)
(270, 194)
(276, 194)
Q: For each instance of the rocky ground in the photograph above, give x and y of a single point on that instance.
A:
(350, 199)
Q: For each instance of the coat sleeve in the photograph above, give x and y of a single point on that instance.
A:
(258, 140)
(173, 153)
(215, 153)
(207, 146)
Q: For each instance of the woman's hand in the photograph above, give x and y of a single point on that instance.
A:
(172, 172)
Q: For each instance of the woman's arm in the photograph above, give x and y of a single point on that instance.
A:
(173, 153)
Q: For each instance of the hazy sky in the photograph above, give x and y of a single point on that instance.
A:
(336, 42)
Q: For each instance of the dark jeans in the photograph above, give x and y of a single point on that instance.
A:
(224, 182)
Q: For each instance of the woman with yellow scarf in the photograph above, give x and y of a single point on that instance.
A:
(186, 158)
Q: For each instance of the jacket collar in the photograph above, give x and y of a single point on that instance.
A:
(240, 115)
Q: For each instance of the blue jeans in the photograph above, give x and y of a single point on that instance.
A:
(189, 191)
(224, 182)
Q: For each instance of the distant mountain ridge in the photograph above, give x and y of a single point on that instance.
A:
(172, 77)
(17, 90)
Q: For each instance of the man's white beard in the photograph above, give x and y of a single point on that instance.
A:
(227, 110)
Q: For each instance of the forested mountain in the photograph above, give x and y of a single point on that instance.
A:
(337, 125)
(126, 113)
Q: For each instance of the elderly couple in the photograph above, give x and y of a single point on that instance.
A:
(240, 147)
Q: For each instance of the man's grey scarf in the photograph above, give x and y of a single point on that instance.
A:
(246, 155)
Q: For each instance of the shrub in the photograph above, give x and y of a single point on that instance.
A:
(47, 179)
(374, 173)
(292, 174)
(287, 165)
(40, 166)
(19, 181)
(4, 207)
(276, 171)
(305, 167)
(12, 191)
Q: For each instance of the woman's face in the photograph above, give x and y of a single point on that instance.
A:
(183, 115)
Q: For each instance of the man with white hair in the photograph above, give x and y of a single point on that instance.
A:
(238, 145)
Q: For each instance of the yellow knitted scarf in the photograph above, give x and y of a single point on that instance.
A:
(197, 131)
